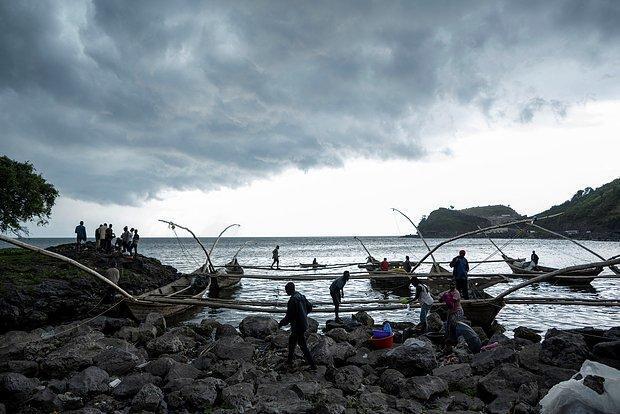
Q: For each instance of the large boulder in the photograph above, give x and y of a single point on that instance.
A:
(434, 322)
(180, 370)
(117, 361)
(174, 341)
(132, 383)
(233, 347)
(453, 373)
(338, 334)
(391, 381)
(15, 388)
(149, 398)
(348, 379)
(608, 353)
(73, 356)
(530, 334)
(483, 362)
(157, 321)
(322, 351)
(563, 349)
(45, 400)
(364, 318)
(506, 377)
(92, 380)
(341, 352)
(258, 326)
(198, 395)
(239, 396)
(414, 357)
(423, 388)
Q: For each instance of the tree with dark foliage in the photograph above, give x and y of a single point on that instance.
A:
(24, 196)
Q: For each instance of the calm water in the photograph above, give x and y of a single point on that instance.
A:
(185, 255)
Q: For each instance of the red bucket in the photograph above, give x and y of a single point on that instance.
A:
(383, 343)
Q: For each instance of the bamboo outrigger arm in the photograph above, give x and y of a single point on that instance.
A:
(170, 223)
(613, 268)
(369, 255)
(549, 275)
(67, 260)
(220, 236)
(240, 248)
(471, 233)
(419, 234)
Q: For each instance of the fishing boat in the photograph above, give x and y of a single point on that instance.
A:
(195, 286)
(228, 277)
(312, 265)
(577, 277)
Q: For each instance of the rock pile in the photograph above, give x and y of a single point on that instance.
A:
(116, 366)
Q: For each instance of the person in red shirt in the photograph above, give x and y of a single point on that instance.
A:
(385, 265)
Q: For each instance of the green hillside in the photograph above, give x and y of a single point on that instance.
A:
(594, 211)
(445, 222)
(491, 212)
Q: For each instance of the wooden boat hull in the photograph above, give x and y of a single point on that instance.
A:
(232, 278)
(311, 265)
(184, 285)
(436, 285)
(578, 277)
(479, 312)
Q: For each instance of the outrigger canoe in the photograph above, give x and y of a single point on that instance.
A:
(577, 277)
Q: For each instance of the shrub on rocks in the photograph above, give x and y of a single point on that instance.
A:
(92, 380)
(257, 326)
(434, 322)
(414, 357)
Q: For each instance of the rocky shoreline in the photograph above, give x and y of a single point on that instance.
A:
(114, 365)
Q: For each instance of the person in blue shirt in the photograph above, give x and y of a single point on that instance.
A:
(80, 232)
(460, 269)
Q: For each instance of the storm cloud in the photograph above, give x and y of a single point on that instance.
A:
(115, 101)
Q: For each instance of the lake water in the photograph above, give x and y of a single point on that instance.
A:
(185, 255)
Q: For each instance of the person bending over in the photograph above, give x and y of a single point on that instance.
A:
(297, 315)
(423, 295)
(336, 290)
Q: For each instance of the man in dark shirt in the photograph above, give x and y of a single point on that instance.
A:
(297, 315)
(460, 267)
(336, 290)
(109, 235)
(276, 257)
(534, 258)
(407, 265)
(80, 232)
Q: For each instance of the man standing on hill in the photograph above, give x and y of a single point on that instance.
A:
(297, 315)
(460, 268)
(80, 232)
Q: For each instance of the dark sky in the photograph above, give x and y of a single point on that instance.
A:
(116, 100)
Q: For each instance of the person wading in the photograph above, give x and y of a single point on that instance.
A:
(80, 232)
(297, 311)
(276, 257)
(336, 290)
(425, 298)
(460, 268)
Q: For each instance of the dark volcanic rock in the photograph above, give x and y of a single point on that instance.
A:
(391, 381)
(176, 340)
(423, 388)
(504, 378)
(349, 378)
(91, 381)
(15, 388)
(149, 398)
(563, 349)
(414, 357)
(484, 362)
(452, 374)
(527, 333)
(364, 318)
(233, 347)
(132, 383)
(117, 361)
(258, 326)
(46, 400)
(239, 396)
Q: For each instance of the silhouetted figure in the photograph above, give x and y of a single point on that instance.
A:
(134, 243)
(297, 315)
(385, 265)
(336, 290)
(80, 232)
(534, 258)
(276, 257)
(460, 268)
(407, 265)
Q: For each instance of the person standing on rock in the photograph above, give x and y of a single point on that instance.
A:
(134, 243)
(297, 315)
(534, 258)
(102, 232)
(80, 232)
(336, 290)
(425, 298)
(98, 237)
(276, 257)
(126, 239)
(460, 268)
(109, 236)
(113, 275)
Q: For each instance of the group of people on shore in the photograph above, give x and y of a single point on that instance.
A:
(106, 239)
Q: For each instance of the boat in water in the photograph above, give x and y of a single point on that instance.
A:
(528, 270)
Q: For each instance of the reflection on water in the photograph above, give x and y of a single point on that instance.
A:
(330, 250)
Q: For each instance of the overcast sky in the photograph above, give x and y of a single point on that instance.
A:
(307, 118)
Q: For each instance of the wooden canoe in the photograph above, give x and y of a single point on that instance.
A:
(196, 285)
(479, 312)
(311, 265)
(577, 277)
(233, 271)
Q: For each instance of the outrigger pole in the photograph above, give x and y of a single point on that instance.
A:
(173, 225)
(220, 235)
(67, 260)
(471, 233)
(369, 255)
(435, 264)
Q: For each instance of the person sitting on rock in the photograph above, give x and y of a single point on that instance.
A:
(336, 290)
(297, 315)
(423, 295)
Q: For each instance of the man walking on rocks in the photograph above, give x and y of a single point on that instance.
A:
(297, 315)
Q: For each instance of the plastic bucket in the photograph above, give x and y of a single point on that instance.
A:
(380, 333)
(383, 343)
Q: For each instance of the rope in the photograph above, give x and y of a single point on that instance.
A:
(187, 254)
(54, 335)
(494, 252)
